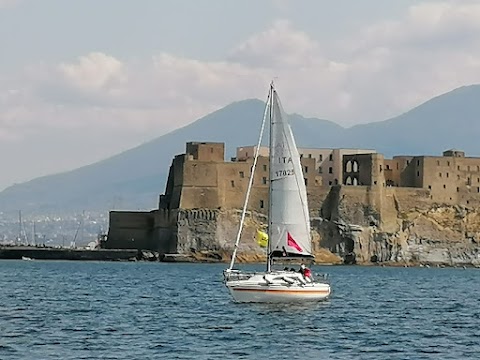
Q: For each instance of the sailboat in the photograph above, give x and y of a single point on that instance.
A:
(288, 222)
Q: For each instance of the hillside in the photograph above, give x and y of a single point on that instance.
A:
(134, 178)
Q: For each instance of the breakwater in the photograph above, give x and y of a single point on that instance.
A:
(46, 253)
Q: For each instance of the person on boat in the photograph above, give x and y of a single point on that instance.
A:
(306, 272)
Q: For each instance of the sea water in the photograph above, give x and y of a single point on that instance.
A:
(95, 310)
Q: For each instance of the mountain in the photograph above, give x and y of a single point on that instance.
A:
(448, 121)
(134, 179)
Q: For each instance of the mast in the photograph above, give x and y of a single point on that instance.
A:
(270, 177)
(34, 234)
(19, 226)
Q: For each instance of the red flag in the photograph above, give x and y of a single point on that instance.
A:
(292, 243)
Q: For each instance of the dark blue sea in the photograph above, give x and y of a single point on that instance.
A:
(86, 310)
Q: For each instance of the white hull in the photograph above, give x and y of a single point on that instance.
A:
(277, 288)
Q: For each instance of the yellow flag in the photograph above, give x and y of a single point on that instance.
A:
(262, 238)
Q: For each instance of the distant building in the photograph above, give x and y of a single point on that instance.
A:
(328, 162)
(201, 178)
(451, 178)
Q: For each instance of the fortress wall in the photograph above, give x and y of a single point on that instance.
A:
(233, 183)
(200, 197)
(200, 185)
(129, 230)
(200, 173)
(196, 230)
(177, 164)
(408, 199)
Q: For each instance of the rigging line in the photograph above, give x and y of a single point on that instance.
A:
(250, 183)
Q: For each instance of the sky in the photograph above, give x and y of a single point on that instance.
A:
(83, 80)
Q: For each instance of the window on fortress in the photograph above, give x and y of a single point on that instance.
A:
(468, 167)
(447, 174)
(478, 168)
(330, 183)
(330, 157)
(336, 181)
(458, 189)
(429, 187)
(388, 167)
(242, 174)
(418, 162)
(264, 167)
(438, 162)
(448, 163)
(440, 174)
(232, 183)
(330, 170)
(380, 168)
(320, 170)
(478, 179)
(306, 182)
(320, 157)
(211, 150)
(478, 189)
(458, 167)
(301, 156)
(418, 173)
(306, 169)
(264, 180)
(444, 186)
(309, 156)
(261, 204)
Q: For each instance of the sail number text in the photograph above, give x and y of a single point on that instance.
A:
(280, 173)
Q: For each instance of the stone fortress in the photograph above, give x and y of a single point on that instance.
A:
(364, 208)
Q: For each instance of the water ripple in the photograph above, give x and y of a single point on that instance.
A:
(77, 310)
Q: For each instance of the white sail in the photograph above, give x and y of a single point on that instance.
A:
(289, 220)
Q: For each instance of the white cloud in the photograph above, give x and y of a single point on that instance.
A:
(96, 71)
(281, 45)
(430, 24)
(113, 104)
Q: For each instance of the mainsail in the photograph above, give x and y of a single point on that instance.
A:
(289, 220)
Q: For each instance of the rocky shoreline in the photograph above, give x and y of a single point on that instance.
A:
(210, 257)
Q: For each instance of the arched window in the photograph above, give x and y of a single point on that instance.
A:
(348, 168)
(355, 166)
